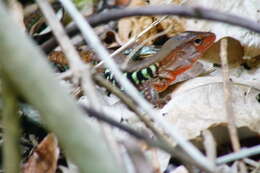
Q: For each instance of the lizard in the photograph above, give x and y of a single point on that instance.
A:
(155, 74)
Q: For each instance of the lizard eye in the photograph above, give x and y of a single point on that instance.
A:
(198, 41)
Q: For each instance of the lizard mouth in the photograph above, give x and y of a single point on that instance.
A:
(209, 40)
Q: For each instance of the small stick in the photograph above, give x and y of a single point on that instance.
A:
(129, 57)
(133, 39)
(130, 103)
(137, 37)
(152, 142)
(238, 155)
(228, 102)
(209, 145)
(228, 97)
(72, 55)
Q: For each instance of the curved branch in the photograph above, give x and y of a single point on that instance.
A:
(195, 12)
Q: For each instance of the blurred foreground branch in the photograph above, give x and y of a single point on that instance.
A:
(30, 74)
(11, 130)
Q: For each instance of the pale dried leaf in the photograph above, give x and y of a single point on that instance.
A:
(130, 27)
(199, 104)
(124, 29)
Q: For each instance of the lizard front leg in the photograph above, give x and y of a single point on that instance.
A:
(151, 94)
(167, 77)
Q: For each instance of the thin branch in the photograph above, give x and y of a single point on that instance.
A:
(152, 142)
(209, 145)
(70, 52)
(137, 156)
(194, 12)
(178, 153)
(251, 162)
(130, 103)
(134, 39)
(228, 97)
(137, 48)
(12, 132)
(93, 41)
(228, 102)
(243, 153)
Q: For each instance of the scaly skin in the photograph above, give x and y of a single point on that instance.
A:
(177, 60)
(175, 57)
(182, 58)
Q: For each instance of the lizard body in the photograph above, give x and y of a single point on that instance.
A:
(156, 73)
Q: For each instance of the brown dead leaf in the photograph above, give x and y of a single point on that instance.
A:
(59, 57)
(122, 2)
(44, 158)
(130, 27)
(235, 52)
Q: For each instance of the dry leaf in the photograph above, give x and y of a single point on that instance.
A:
(130, 27)
(122, 2)
(44, 158)
(235, 52)
(59, 57)
(199, 104)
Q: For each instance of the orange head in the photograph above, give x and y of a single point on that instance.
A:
(203, 41)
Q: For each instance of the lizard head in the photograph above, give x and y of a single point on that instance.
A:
(185, 48)
(202, 40)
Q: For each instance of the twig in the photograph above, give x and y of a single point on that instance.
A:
(251, 162)
(90, 92)
(228, 103)
(243, 153)
(135, 38)
(209, 145)
(129, 102)
(152, 142)
(12, 132)
(183, 11)
(93, 41)
(139, 161)
(129, 57)
(195, 12)
(228, 97)
(178, 153)
(72, 55)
